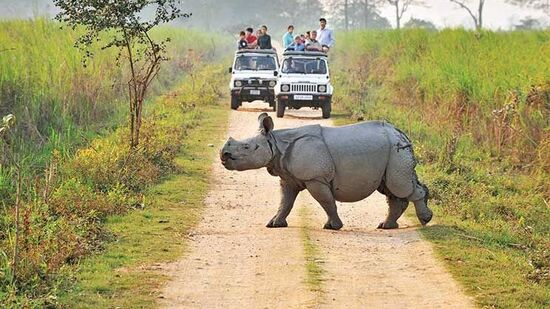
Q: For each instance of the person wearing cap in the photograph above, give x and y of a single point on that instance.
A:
(325, 35)
(287, 37)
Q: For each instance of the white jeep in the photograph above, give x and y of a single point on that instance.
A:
(253, 76)
(304, 80)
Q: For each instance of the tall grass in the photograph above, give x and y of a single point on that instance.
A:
(70, 138)
(477, 106)
(59, 103)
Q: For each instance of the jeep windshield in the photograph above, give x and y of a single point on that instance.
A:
(304, 66)
(255, 63)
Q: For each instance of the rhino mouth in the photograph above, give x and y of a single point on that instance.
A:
(226, 157)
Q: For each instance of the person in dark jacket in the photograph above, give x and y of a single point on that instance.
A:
(264, 42)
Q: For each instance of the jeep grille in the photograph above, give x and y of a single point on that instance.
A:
(303, 88)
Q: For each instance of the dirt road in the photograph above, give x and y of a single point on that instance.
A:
(235, 262)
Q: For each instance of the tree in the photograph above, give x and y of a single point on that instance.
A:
(543, 5)
(419, 23)
(360, 14)
(477, 16)
(401, 6)
(528, 23)
(122, 25)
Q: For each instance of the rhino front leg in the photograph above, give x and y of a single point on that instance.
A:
(420, 199)
(322, 194)
(288, 196)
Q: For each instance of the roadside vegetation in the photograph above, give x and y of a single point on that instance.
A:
(69, 139)
(477, 106)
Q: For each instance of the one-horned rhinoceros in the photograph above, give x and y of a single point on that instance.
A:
(344, 164)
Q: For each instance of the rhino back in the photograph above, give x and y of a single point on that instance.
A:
(360, 153)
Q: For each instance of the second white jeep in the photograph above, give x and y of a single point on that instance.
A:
(304, 81)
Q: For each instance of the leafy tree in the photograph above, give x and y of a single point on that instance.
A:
(401, 6)
(419, 23)
(476, 14)
(543, 5)
(528, 23)
(356, 14)
(120, 24)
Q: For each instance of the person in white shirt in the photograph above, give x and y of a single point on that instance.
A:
(325, 36)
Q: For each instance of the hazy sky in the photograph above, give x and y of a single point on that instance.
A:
(497, 14)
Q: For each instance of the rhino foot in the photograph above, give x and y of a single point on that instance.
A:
(277, 223)
(426, 217)
(333, 225)
(388, 225)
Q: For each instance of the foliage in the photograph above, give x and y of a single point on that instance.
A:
(419, 23)
(477, 109)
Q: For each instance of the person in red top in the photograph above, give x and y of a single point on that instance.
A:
(250, 38)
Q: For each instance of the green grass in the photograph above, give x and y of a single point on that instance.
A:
(488, 173)
(126, 274)
(314, 272)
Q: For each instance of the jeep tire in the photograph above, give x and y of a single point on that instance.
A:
(280, 109)
(235, 102)
(326, 109)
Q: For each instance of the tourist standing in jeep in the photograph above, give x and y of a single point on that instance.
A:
(325, 36)
(264, 41)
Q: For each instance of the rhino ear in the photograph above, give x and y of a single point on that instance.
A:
(266, 123)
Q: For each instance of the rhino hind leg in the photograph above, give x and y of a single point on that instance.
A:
(397, 207)
(402, 182)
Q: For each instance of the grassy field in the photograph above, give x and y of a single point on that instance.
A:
(477, 106)
(71, 140)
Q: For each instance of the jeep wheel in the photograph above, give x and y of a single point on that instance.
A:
(235, 102)
(326, 110)
(280, 109)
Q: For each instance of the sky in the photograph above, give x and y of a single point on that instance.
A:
(497, 14)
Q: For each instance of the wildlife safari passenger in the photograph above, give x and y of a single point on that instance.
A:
(264, 41)
(251, 39)
(297, 45)
(313, 44)
(242, 43)
(326, 36)
(287, 37)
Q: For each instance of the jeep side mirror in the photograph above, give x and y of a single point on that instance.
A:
(230, 70)
(275, 73)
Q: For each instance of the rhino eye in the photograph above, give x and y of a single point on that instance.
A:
(257, 146)
(246, 147)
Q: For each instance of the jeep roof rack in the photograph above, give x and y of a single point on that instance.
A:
(257, 51)
(304, 53)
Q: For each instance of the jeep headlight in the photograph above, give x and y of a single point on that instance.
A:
(285, 88)
(238, 83)
(272, 83)
(322, 88)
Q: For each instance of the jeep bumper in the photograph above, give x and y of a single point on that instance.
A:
(254, 93)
